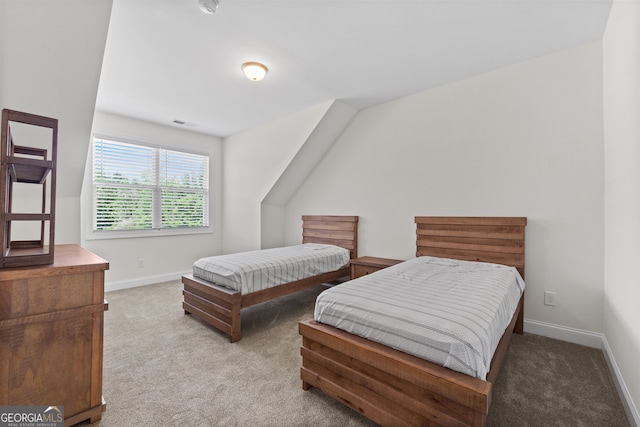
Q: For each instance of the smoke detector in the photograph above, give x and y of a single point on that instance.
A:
(208, 6)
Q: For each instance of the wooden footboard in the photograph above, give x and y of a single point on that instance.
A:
(220, 307)
(216, 305)
(390, 387)
(387, 386)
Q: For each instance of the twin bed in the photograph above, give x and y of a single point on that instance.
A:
(221, 286)
(395, 387)
(366, 346)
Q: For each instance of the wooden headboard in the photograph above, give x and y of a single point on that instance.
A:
(498, 240)
(333, 230)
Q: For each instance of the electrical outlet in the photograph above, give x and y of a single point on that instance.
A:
(140, 262)
(550, 298)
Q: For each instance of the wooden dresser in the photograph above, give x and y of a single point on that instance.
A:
(51, 332)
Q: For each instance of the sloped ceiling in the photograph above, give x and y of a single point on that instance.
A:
(50, 65)
(166, 60)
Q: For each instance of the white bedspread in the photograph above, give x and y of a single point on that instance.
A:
(261, 269)
(446, 311)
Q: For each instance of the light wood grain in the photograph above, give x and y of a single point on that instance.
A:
(51, 334)
(393, 388)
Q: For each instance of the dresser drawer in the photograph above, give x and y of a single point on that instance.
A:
(367, 265)
(361, 270)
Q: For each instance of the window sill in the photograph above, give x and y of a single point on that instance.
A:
(134, 234)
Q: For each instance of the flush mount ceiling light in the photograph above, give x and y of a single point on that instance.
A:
(208, 6)
(254, 70)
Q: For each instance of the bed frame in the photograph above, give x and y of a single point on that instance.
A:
(393, 388)
(220, 306)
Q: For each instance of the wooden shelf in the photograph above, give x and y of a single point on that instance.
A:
(32, 171)
(27, 217)
(28, 165)
(27, 256)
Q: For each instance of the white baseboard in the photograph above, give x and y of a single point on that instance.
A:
(563, 333)
(630, 408)
(589, 339)
(143, 281)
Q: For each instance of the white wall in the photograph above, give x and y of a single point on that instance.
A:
(253, 162)
(3, 36)
(165, 258)
(525, 140)
(50, 59)
(621, 45)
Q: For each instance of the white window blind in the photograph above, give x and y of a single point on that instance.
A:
(138, 187)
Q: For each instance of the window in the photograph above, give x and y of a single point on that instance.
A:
(149, 190)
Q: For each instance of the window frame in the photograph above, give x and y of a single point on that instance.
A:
(92, 234)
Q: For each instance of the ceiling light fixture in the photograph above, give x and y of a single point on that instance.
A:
(254, 70)
(208, 6)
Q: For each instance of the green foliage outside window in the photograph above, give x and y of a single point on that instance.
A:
(143, 188)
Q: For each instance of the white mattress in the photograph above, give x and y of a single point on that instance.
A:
(449, 312)
(261, 269)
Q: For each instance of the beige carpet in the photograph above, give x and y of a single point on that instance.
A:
(164, 368)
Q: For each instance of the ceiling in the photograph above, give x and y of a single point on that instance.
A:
(166, 60)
